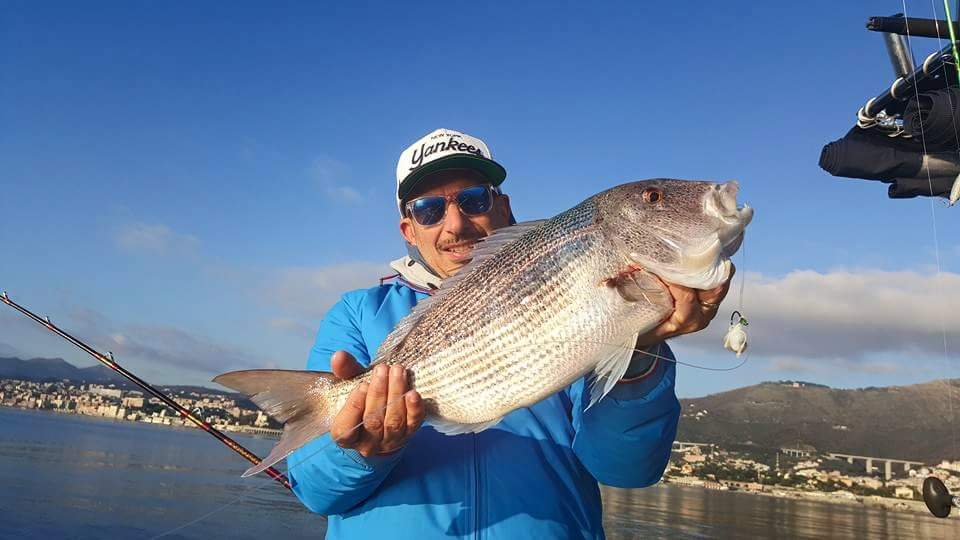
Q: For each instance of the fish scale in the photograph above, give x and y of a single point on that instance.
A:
(541, 305)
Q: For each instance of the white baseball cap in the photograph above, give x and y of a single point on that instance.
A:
(444, 149)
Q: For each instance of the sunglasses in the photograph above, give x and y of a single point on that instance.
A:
(472, 201)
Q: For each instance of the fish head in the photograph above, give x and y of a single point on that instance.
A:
(683, 231)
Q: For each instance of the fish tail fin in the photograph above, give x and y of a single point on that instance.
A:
(299, 399)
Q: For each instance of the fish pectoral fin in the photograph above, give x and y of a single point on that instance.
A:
(610, 369)
(293, 397)
(455, 428)
(636, 284)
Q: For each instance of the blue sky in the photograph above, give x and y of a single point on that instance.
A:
(192, 185)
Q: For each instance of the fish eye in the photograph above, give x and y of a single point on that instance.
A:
(652, 195)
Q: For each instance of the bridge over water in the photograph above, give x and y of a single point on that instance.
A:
(887, 463)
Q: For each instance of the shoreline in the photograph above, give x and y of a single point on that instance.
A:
(910, 506)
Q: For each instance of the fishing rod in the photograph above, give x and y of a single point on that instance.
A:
(902, 88)
(109, 361)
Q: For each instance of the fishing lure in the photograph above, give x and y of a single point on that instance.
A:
(736, 338)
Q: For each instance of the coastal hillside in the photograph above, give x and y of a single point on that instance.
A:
(58, 369)
(917, 422)
(55, 369)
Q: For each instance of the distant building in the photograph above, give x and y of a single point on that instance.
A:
(903, 492)
(132, 402)
(105, 392)
(949, 465)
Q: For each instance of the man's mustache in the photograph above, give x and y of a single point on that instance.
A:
(459, 241)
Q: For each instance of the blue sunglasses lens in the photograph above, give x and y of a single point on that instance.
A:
(428, 210)
(473, 201)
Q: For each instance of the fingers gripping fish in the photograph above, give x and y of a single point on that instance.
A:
(541, 304)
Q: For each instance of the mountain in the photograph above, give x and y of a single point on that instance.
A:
(918, 422)
(55, 369)
(41, 369)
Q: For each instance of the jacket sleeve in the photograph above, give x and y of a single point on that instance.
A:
(624, 440)
(326, 478)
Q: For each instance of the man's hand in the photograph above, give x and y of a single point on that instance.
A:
(693, 309)
(389, 417)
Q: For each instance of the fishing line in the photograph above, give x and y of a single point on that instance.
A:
(657, 355)
(933, 213)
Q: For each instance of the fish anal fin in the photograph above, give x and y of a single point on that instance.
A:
(455, 428)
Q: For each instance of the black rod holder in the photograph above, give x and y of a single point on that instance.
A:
(912, 26)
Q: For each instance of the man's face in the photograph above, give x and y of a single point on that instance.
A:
(446, 246)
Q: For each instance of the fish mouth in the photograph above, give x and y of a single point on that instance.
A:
(721, 203)
(705, 263)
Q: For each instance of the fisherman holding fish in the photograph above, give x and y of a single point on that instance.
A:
(515, 365)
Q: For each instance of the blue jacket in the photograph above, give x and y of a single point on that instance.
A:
(533, 475)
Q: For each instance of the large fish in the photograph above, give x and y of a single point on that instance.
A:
(540, 305)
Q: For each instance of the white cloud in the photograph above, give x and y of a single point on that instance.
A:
(175, 347)
(310, 291)
(332, 175)
(843, 318)
(155, 239)
(162, 345)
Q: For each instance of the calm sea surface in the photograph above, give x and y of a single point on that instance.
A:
(75, 477)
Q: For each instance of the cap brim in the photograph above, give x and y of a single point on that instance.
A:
(490, 169)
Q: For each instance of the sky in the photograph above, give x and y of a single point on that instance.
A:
(192, 185)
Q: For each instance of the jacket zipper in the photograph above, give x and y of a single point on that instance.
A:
(476, 487)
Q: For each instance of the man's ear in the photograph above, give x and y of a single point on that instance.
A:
(406, 229)
(502, 205)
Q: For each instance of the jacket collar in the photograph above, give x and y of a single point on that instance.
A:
(416, 275)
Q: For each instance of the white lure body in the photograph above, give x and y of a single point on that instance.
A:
(736, 338)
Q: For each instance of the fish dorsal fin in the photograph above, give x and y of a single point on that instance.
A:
(400, 332)
(611, 368)
(485, 249)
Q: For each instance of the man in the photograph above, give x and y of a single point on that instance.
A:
(534, 474)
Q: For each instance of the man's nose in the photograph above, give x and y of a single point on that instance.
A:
(454, 220)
